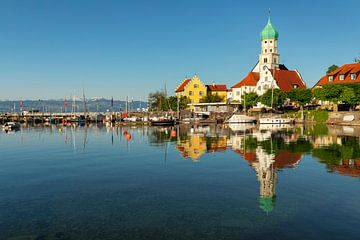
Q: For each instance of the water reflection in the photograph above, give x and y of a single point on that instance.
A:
(271, 148)
(114, 177)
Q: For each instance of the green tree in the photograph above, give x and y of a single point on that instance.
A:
(329, 92)
(212, 98)
(348, 96)
(332, 68)
(250, 99)
(277, 100)
(173, 100)
(157, 100)
(301, 96)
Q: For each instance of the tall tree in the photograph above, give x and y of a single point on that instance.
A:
(301, 96)
(277, 100)
(250, 99)
(157, 100)
(329, 92)
(172, 102)
(332, 68)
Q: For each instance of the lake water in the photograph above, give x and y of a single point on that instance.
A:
(186, 182)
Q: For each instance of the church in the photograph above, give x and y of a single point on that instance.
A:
(268, 72)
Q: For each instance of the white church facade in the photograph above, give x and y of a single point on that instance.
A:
(268, 72)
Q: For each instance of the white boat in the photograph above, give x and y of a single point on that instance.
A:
(241, 118)
(275, 120)
(11, 126)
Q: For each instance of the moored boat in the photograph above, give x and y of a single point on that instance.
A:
(241, 118)
(162, 122)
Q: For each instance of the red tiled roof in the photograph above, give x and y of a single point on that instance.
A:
(250, 80)
(287, 79)
(182, 85)
(215, 87)
(346, 70)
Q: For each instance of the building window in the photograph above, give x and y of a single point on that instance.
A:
(237, 93)
(266, 78)
(265, 41)
(266, 87)
(274, 60)
(331, 78)
(259, 88)
(271, 50)
(196, 85)
(265, 50)
(296, 86)
(270, 41)
(191, 93)
(353, 76)
(265, 60)
(200, 93)
(342, 77)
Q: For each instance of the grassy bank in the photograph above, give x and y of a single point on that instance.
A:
(319, 116)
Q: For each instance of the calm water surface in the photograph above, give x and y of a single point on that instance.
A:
(209, 182)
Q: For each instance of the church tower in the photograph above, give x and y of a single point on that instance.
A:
(269, 55)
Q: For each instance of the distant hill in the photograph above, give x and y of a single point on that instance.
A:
(93, 105)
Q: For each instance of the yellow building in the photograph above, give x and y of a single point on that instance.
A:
(219, 90)
(192, 88)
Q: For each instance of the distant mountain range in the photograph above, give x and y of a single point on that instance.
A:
(92, 104)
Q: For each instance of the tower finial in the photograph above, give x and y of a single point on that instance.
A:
(269, 13)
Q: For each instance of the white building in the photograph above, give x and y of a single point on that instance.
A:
(268, 72)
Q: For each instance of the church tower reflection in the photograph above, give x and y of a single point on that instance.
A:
(267, 177)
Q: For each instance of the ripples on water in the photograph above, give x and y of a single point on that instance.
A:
(186, 182)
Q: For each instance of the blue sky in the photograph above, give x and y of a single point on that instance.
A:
(49, 49)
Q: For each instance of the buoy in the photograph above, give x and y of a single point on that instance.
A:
(128, 136)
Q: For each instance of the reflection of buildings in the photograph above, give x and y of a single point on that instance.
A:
(194, 147)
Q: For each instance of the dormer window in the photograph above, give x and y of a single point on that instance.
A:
(353, 76)
(331, 78)
(295, 86)
(342, 77)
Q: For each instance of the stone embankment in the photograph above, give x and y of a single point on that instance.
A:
(344, 118)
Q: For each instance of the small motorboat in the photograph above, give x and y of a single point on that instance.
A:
(241, 118)
(11, 126)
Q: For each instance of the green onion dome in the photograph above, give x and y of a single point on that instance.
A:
(269, 32)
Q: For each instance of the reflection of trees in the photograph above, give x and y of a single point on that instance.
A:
(275, 145)
(343, 159)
